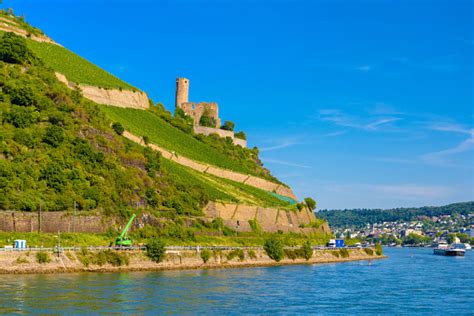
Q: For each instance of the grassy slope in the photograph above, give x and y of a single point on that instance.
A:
(161, 133)
(76, 68)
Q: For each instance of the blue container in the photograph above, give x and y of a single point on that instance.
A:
(339, 243)
(20, 244)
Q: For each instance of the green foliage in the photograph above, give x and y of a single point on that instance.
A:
(103, 257)
(344, 253)
(274, 248)
(42, 257)
(415, 239)
(76, 69)
(307, 250)
(155, 249)
(213, 151)
(369, 251)
(13, 49)
(362, 217)
(54, 136)
(240, 135)
(255, 226)
(118, 128)
(236, 253)
(206, 120)
(378, 249)
(335, 253)
(22, 117)
(310, 203)
(251, 254)
(228, 126)
(206, 255)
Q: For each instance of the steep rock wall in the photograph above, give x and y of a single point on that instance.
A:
(8, 25)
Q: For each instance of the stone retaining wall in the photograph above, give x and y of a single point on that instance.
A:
(51, 222)
(19, 31)
(114, 97)
(270, 219)
(222, 133)
(218, 172)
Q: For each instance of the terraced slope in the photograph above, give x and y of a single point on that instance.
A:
(167, 136)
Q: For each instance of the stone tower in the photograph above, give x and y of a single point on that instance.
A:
(182, 91)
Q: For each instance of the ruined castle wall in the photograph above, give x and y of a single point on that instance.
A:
(196, 110)
(182, 91)
(269, 219)
(114, 97)
(222, 133)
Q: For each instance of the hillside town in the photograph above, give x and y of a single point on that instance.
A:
(423, 231)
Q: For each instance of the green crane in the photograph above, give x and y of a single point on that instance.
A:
(123, 239)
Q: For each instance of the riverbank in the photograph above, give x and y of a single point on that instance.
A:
(26, 262)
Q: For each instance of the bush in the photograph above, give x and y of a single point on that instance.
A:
(228, 126)
(42, 257)
(236, 253)
(291, 254)
(207, 121)
(240, 135)
(378, 249)
(274, 248)
(22, 117)
(54, 136)
(344, 253)
(255, 226)
(335, 254)
(307, 250)
(21, 95)
(369, 251)
(310, 203)
(155, 249)
(205, 255)
(118, 128)
(251, 254)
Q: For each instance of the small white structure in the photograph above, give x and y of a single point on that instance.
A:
(20, 244)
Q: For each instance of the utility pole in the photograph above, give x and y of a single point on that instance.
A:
(74, 219)
(59, 243)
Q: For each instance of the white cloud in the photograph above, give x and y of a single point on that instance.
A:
(284, 163)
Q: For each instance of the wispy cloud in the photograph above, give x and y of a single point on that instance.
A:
(364, 68)
(333, 134)
(341, 118)
(285, 163)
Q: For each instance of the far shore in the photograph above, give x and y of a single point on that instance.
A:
(71, 262)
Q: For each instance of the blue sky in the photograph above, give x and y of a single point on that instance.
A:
(355, 103)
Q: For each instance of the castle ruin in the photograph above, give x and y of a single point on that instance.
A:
(197, 109)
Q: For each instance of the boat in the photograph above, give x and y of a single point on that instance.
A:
(455, 250)
(468, 246)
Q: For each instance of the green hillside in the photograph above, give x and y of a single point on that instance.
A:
(162, 133)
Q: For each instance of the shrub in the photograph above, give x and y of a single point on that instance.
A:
(236, 253)
(335, 254)
(255, 226)
(307, 250)
(378, 249)
(207, 121)
(310, 203)
(251, 254)
(274, 248)
(118, 128)
(205, 255)
(146, 140)
(291, 254)
(42, 257)
(54, 136)
(22, 117)
(228, 126)
(155, 249)
(21, 260)
(21, 95)
(344, 253)
(240, 135)
(369, 251)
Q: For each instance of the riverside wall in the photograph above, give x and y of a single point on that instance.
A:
(216, 171)
(22, 262)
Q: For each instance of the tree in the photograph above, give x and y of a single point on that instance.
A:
(274, 248)
(228, 126)
(310, 203)
(307, 250)
(118, 128)
(206, 120)
(240, 135)
(155, 249)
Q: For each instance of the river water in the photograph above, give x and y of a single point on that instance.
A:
(410, 281)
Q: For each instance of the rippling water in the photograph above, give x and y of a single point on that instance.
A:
(410, 281)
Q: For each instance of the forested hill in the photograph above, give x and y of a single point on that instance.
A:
(362, 217)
